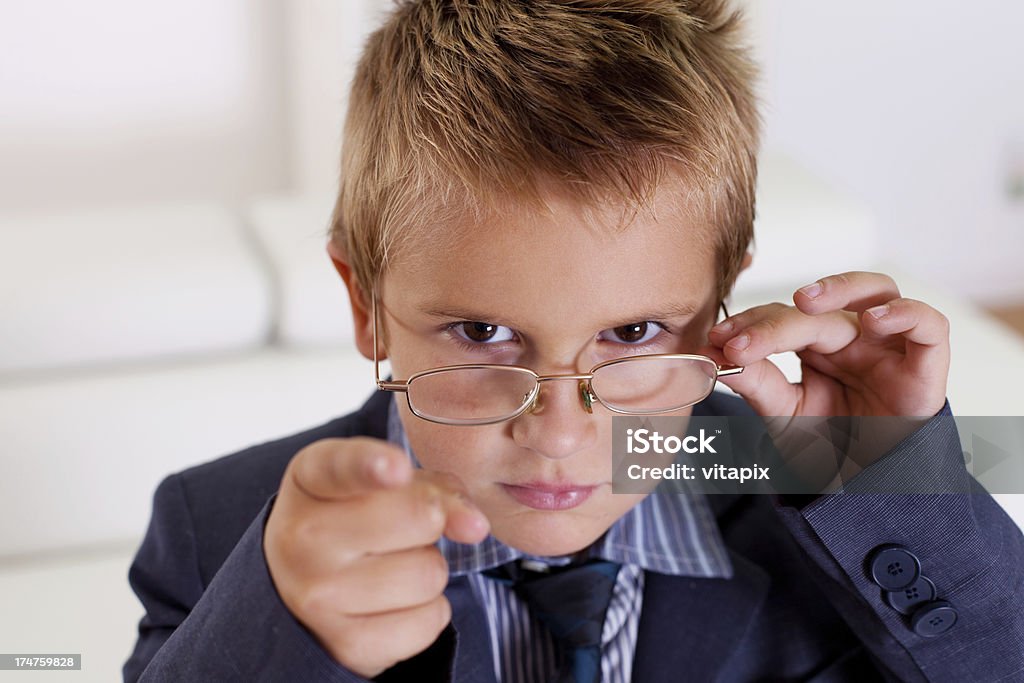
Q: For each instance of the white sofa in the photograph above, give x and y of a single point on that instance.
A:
(142, 340)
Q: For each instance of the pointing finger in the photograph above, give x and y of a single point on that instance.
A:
(335, 469)
(465, 522)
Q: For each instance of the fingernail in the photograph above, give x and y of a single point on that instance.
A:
(723, 326)
(812, 290)
(433, 495)
(879, 311)
(436, 513)
(389, 471)
(739, 343)
(434, 504)
(481, 523)
(379, 469)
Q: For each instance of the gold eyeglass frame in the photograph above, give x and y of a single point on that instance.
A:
(584, 379)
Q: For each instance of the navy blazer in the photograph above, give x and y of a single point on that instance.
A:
(801, 605)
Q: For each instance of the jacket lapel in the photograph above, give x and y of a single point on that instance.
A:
(690, 626)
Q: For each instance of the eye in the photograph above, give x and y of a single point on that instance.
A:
(635, 333)
(482, 333)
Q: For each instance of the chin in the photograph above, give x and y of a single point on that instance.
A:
(548, 533)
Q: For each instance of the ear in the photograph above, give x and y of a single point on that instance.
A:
(748, 258)
(362, 314)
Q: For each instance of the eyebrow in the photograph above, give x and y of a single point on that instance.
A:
(676, 309)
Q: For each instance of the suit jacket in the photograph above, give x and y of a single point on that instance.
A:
(801, 605)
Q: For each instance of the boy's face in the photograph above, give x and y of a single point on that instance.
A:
(558, 296)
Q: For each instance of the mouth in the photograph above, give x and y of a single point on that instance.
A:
(548, 496)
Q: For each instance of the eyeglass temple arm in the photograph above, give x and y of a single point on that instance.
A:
(381, 384)
(726, 370)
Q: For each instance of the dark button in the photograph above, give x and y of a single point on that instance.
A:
(933, 618)
(904, 601)
(893, 567)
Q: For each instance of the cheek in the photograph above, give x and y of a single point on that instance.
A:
(462, 451)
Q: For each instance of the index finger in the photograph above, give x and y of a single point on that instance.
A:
(335, 469)
(465, 522)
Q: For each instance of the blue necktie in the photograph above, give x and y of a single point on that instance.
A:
(571, 601)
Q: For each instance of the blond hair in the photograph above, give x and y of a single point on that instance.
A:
(456, 102)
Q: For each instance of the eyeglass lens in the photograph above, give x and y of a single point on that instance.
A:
(635, 385)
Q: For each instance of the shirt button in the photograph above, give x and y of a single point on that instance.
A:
(534, 565)
(893, 567)
(904, 601)
(933, 618)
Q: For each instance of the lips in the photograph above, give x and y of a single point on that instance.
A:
(549, 496)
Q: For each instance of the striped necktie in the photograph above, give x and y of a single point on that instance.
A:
(571, 601)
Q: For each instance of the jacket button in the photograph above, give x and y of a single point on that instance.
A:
(893, 567)
(904, 601)
(933, 618)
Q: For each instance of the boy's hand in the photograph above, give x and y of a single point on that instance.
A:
(349, 545)
(864, 350)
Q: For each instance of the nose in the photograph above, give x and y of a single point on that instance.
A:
(559, 424)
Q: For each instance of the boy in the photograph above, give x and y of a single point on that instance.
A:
(554, 185)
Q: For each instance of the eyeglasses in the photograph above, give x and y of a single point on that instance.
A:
(482, 393)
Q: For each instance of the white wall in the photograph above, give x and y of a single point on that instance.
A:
(916, 108)
(324, 39)
(114, 101)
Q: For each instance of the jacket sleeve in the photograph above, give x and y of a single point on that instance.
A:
(963, 540)
(235, 629)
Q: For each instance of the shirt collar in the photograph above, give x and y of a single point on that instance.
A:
(667, 533)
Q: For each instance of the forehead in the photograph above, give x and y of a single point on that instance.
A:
(563, 259)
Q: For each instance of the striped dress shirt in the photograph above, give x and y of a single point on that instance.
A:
(665, 533)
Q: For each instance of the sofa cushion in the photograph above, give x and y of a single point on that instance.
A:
(101, 286)
(83, 453)
(312, 303)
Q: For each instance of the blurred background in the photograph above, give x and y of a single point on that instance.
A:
(166, 172)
